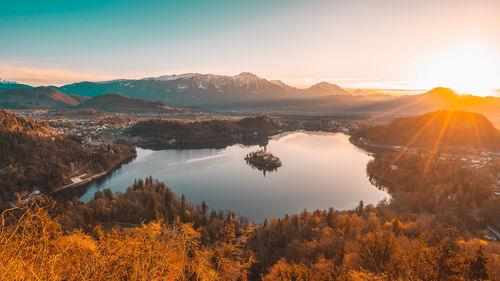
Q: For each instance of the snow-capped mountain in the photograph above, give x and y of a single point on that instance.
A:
(7, 85)
(191, 89)
(203, 81)
(172, 77)
(208, 90)
(3, 81)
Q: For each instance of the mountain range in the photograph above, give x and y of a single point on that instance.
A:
(206, 90)
(244, 93)
(187, 90)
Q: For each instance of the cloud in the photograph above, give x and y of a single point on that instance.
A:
(42, 76)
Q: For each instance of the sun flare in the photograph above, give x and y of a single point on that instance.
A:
(468, 69)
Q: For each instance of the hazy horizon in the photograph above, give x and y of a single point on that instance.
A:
(395, 88)
(385, 44)
(347, 83)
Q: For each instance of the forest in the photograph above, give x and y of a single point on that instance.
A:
(197, 134)
(32, 159)
(424, 183)
(150, 233)
(11, 122)
(431, 227)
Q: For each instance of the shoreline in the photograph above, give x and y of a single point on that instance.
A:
(177, 147)
(373, 148)
(94, 177)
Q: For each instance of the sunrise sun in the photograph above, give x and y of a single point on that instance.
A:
(469, 68)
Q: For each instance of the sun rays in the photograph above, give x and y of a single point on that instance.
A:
(437, 133)
(435, 148)
(412, 140)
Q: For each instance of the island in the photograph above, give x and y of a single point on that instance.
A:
(263, 160)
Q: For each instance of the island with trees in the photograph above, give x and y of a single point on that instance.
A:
(263, 160)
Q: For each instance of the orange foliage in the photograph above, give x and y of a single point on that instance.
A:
(33, 246)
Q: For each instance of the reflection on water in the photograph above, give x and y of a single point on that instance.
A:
(264, 170)
(261, 162)
(320, 170)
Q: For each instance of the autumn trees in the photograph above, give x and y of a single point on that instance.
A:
(375, 245)
(34, 246)
(29, 159)
(424, 183)
(428, 230)
(150, 233)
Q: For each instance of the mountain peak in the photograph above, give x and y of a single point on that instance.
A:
(442, 92)
(246, 76)
(2, 81)
(173, 77)
(325, 88)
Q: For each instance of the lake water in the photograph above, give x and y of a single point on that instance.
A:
(320, 170)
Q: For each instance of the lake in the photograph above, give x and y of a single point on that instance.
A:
(320, 170)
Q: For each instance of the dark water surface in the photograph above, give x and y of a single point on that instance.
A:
(320, 170)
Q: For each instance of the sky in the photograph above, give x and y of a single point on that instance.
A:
(355, 43)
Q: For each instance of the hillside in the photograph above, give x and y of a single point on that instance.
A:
(35, 98)
(31, 160)
(121, 103)
(442, 129)
(50, 98)
(13, 123)
(78, 98)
